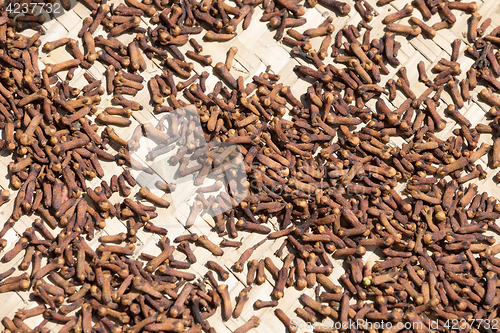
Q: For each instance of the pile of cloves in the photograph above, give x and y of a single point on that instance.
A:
(322, 165)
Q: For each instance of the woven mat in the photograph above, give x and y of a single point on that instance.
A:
(257, 49)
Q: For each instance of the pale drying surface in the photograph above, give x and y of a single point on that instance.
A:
(257, 49)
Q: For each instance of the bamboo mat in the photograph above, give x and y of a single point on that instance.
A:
(257, 49)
